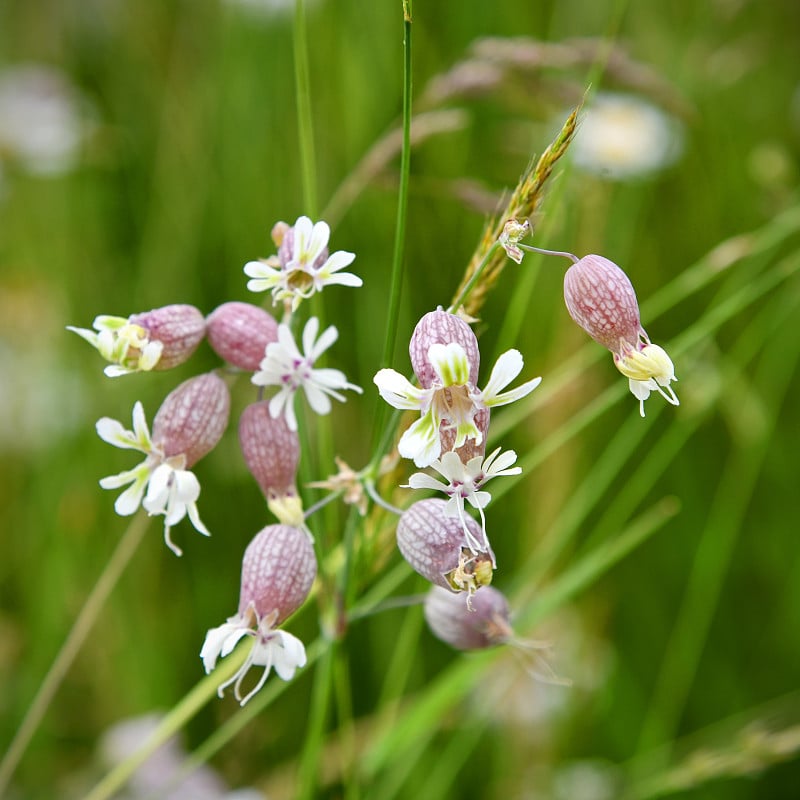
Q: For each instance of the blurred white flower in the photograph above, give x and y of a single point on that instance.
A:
(42, 119)
(621, 136)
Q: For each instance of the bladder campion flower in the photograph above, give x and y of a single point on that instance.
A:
(601, 299)
(302, 265)
(513, 233)
(278, 570)
(448, 397)
(466, 482)
(188, 425)
(158, 339)
(289, 369)
(240, 332)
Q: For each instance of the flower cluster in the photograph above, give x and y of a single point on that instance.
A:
(279, 565)
(439, 539)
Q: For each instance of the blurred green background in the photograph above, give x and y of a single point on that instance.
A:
(178, 152)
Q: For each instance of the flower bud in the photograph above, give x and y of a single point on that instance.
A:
(240, 332)
(192, 418)
(272, 453)
(436, 547)
(439, 327)
(180, 328)
(484, 623)
(278, 570)
(601, 299)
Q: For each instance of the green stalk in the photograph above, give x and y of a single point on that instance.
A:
(69, 650)
(305, 126)
(396, 280)
(470, 284)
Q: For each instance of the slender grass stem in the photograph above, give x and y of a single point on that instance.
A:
(461, 297)
(95, 603)
(396, 279)
(305, 125)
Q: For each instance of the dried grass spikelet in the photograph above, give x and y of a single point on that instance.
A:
(525, 200)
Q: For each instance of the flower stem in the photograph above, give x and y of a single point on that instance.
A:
(305, 127)
(69, 650)
(396, 279)
(530, 248)
(464, 293)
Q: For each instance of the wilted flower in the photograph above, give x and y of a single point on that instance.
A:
(601, 299)
(289, 369)
(439, 547)
(466, 481)
(188, 425)
(302, 265)
(622, 136)
(485, 623)
(278, 570)
(272, 453)
(448, 397)
(159, 339)
(240, 332)
(513, 232)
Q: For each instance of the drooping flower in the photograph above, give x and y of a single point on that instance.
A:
(240, 332)
(601, 299)
(451, 399)
(446, 552)
(271, 451)
(278, 570)
(159, 339)
(465, 482)
(302, 266)
(188, 425)
(286, 367)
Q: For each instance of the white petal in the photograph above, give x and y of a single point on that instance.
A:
(450, 363)
(328, 337)
(258, 269)
(506, 368)
(115, 371)
(451, 467)
(111, 431)
(288, 654)
(318, 399)
(158, 490)
(130, 500)
(421, 441)
(419, 480)
(320, 234)
(309, 336)
(336, 261)
(221, 641)
(479, 499)
(84, 333)
(399, 392)
(340, 279)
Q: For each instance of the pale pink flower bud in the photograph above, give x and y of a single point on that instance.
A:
(278, 570)
(240, 332)
(180, 328)
(439, 327)
(435, 545)
(485, 623)
(601, 299)
(192, 418)
(271, 450)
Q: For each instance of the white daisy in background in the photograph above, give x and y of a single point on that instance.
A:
(466, 482)
(451, 399)
(303, 266)
(286, 367)
(621, 136)
(171, 489)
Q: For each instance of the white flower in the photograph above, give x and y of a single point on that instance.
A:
(648, 369)
(271, 648)
(621, 136)
(466, 482)
(125, 345)
(286, 367)
(450, 399)
(298, 278)
(171, 490)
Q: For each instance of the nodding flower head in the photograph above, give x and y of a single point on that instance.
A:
(240, 332)
(485, 623)
(601, 299)
(188, 425)
(302, 265)
(159, 339)
(448, 399)
(272, 453)
(278, 571)
(446, 552)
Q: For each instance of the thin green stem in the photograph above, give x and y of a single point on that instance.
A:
(305, 126)
(396, 280)
(470, 284)
(69, 650)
